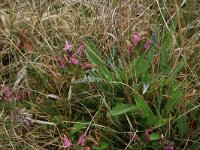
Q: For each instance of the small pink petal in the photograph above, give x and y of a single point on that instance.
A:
(66, 142)
(80, 50)
(81, 140)
(136, 38)
(85, 65)
(148, 44)
(73, 60)
(63, 64)
(68, 46)
(169, 147)
(7, 93)
(147, 136)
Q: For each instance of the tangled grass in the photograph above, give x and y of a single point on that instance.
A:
(40, 101)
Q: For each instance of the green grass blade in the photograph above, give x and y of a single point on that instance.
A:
(143, 106)
(124, 108)
(94, 57)
(167, 40)
(174, 99)
(182, 126)
(139, 65)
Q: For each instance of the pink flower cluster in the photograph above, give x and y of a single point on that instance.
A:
(169, 147)
(137, 39)
(147, 135)
(7, 93)
(68, 48)
(67, 142)
(72, 56)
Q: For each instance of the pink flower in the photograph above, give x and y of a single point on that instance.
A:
(147, 135)
(169, 147)
(148, 44)
(7, 93)
(62, 63)
(73, 60)
(81, 140)
(136, 38)
(80, 50)
(85, 66)
(67, 142)
(68, 46)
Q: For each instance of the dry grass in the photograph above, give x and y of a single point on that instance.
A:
(32, 34)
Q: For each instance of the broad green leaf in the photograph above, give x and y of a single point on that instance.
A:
(194, 146)
(102, 146)
(179, 67)
(122, 75)
(162, 121)
(174, 99)
(167, 40)
(139, 66)
(190, 106)
(143, 106)
(94, 57)
(78, 127)
(154, 136)
(182, 126)
(164, 64)
(121, 109)
(150, 121)
(150, 55)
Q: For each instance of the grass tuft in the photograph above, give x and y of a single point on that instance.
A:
(106, 92)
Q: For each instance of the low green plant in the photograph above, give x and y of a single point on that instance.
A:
(158, 106)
